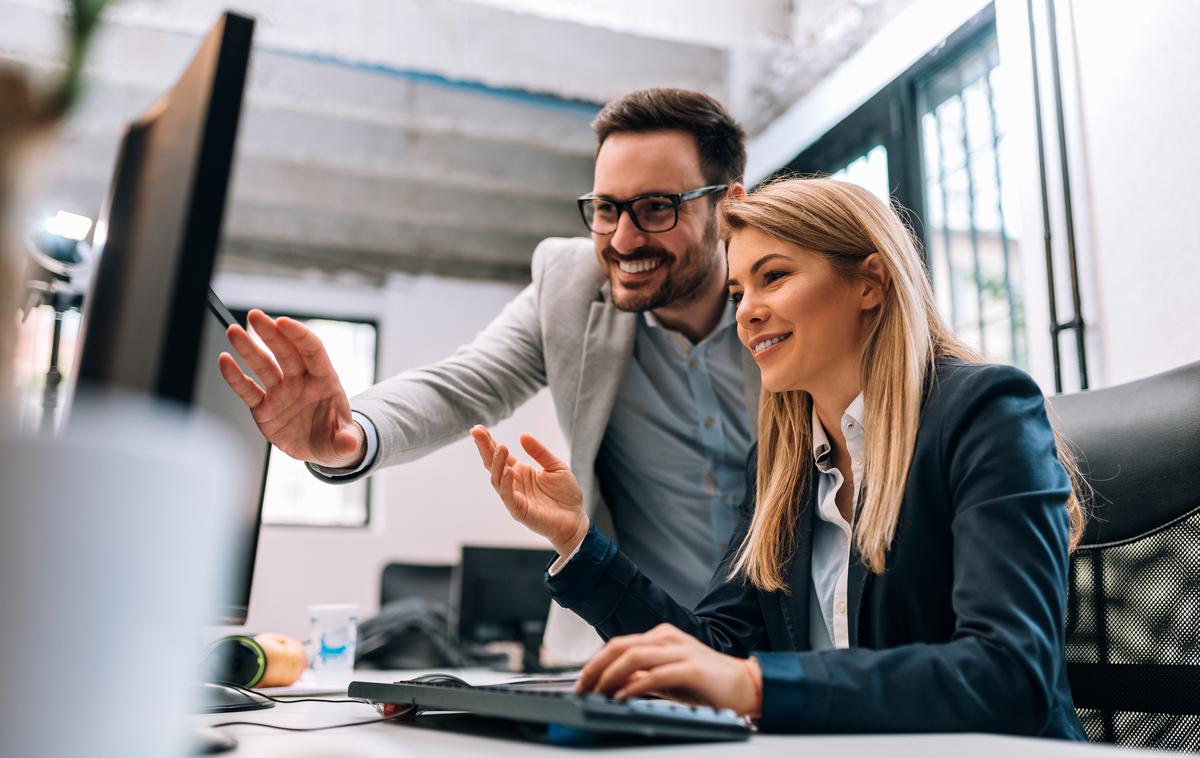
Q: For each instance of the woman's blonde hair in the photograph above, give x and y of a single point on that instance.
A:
(845, 224)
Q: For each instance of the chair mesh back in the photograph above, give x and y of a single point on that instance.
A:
(1133, 621)
(1133, 638)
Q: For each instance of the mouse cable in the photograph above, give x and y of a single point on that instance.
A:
(287, 699)
(406, 712)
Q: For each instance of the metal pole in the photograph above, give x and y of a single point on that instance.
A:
(1046, 236)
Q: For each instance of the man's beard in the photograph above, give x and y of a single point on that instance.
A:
(685, 275)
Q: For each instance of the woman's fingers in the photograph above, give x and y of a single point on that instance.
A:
(512, 500)
(593, 669)
(245, 388)
(499, 463)
(541, 454)
(661, 635)
(643, 657)
(679, 675)
(484, 444)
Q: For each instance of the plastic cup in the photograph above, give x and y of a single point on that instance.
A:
(333, 634)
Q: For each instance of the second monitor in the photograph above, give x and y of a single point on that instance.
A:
(503, 597)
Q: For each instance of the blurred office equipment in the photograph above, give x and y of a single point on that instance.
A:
(502, 597)
(57, 271)
(424, 580)
(1133, 629)
(437, 616)
(412, 629)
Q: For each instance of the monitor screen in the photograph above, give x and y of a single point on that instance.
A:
(158, 234)
(502, 595)
(147, 325)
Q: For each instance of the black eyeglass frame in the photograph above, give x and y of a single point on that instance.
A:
(626, 206)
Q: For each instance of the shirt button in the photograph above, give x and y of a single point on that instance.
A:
(708, 422)
(694, 363)
(840, 607)
(710, 483)
(849, 424)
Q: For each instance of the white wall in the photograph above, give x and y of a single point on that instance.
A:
(1139, 105)
(420, 512)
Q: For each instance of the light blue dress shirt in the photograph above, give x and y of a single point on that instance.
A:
(671, 465)
(827, 617)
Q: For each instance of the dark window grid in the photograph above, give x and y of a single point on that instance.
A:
(973, 68)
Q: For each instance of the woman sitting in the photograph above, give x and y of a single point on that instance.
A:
(901, 559)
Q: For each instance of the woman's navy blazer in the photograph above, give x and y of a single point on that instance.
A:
(964, 631)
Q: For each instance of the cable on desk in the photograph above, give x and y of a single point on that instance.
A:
(405, 711)
(392, 717)
(287, 699)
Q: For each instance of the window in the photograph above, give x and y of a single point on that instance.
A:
(868, 170)
(970, 224)
(936, 139)
(293, 495)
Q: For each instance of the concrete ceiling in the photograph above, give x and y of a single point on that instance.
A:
(407, 135)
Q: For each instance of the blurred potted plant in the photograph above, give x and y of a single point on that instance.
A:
(30, 114)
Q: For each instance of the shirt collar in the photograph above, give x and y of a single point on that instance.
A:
(820, 447)
(728, 319)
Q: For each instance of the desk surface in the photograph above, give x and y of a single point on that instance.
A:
(431, 736)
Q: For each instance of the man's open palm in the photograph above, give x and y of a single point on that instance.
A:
(298, 401)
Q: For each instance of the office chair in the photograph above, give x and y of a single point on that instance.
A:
(1133, 621)
(429, 581)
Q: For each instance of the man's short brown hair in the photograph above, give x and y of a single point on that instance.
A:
(720, 139)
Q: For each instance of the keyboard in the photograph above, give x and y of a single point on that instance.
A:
(644, 717)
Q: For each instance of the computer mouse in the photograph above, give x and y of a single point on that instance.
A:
(450, 679)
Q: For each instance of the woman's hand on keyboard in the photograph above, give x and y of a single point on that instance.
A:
(546, 498)
(671, 663)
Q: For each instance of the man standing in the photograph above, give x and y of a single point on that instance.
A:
(631, 332)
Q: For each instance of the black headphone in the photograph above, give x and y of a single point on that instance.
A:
(237, 659)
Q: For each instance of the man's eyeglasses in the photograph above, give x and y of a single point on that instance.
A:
(650, 213)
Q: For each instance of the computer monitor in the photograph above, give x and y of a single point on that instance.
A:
(147, 325)
(502, 596)
(151, 323)
(158, 235)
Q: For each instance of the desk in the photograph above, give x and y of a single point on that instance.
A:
(401, 740)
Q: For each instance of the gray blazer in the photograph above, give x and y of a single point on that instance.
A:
(561, 332)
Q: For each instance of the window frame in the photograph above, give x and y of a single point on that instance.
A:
(890, 118)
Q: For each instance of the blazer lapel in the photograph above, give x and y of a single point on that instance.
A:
(607, 348)
(795, 603)
(857, 577)
(856, 586)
